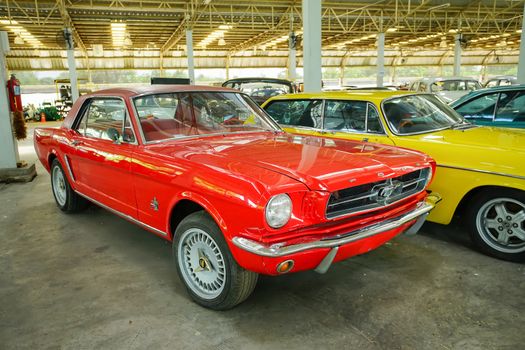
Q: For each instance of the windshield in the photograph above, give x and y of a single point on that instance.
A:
(454, 85)
(419, 114)
(174, 115)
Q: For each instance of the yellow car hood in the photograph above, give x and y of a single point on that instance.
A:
(481, 148)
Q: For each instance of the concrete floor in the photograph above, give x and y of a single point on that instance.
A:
(93, 280)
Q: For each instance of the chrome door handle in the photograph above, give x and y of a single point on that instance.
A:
(75, 142)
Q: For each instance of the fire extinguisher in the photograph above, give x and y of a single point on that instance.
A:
(15, 98)
(15, 103)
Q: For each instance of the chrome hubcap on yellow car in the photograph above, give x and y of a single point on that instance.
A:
(201, 263)
(501, 224)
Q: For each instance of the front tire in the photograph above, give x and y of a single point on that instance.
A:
(65, 197)
(496, 221)
(206, 267)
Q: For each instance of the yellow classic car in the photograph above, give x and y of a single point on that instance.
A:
(480, 170)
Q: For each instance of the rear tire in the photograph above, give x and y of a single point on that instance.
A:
(206, 267)
(496, 221)
(65, 197)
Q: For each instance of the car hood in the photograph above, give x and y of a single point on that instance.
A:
(319, 163)
(491, 149)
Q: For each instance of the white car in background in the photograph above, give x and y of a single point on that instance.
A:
(448, 89)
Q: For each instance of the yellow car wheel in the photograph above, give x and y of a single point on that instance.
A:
(496, 221)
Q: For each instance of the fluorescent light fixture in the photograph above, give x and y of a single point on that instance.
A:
(391, 30)
(22, 36)
(518, 31)
(19, 40)
(216, 35)
(118, 33)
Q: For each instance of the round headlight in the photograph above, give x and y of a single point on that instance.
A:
(278, 210)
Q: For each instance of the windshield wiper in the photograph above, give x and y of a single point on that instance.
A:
(460, 124)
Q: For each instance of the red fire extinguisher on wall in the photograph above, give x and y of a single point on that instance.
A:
(15, 103)
(15, 98)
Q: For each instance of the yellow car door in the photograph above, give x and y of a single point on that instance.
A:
(354, 120)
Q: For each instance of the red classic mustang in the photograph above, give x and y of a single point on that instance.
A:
(207, 169)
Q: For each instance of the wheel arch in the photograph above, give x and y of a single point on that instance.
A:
(187, 204)
(461, 207)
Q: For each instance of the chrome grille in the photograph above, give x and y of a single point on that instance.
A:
(376, 194)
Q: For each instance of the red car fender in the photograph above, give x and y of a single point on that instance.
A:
(203, 202)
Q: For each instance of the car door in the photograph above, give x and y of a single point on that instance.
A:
(355, 120)
(510, 111)
(104, 142)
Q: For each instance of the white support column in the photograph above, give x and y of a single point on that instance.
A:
(457, 55)
(312, 45)
(380, 59)
(521, 62)
(71, 63)
(292, 61)
(189, 53)
(228, 57)
(8, 145)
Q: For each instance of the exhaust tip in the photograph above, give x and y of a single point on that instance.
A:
(285, 266)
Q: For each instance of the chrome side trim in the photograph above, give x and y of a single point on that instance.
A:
(124, 216)
(482, 171)
(69, 168)
(277, 250)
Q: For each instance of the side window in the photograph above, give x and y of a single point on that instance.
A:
(106, 118)
(511, 107)
(422, 87)
(479, 109)
(345, 115)
(373, 121)
(296, 112)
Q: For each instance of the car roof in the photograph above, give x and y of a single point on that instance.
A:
(445, 79)
(359, 95)
(479, 92)
(157, 89)
(258, 79)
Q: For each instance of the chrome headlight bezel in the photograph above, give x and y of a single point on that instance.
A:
(278, 210)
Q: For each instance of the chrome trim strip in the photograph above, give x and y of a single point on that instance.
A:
(69, 168)
(482, 171)
(278, 251)
(124, 216)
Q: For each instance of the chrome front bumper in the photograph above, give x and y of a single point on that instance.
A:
(278, 250)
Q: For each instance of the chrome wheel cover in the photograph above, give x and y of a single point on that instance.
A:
(201, 263)
(501, 224)
(59, 186)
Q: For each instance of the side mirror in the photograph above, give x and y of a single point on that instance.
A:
(114, 135)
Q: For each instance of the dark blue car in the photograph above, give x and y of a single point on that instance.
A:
(502, 106)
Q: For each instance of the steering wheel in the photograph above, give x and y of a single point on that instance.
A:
(404, 123)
